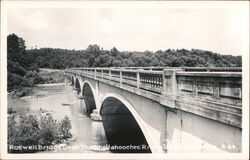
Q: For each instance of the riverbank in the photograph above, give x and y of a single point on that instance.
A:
(49, 84)
(50, 76)
(36, 94)
(28, 92)
(21, 92)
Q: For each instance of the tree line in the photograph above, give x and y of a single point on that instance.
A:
(94, 56)
(24, 64)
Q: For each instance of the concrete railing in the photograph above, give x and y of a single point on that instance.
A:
(173, 81)
(189, 69)
(224, 87)
(216, 89)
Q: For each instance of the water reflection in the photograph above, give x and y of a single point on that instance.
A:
(99, 136)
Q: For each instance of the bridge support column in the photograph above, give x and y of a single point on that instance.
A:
(82, 108)
(138, 83)
(120, 78)
(169, 82)
(110, 75)
(66, 79)
(95, 115)
(75, 91)
(95, 74)
(99, 139)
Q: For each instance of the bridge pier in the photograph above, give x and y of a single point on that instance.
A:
(75, 91)
(82, 108)
(99, 139)
(95, 115)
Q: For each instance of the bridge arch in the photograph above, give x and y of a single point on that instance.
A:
(77, 85)
(89, 95)
(124, 107)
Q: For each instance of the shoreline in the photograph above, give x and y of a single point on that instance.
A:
(37, 85)
(49, 84)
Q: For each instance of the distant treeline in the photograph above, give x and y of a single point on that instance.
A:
(24, 64)
(94, 56)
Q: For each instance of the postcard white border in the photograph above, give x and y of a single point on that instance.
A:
(244, 5)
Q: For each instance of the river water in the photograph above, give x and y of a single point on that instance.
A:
(61, 100)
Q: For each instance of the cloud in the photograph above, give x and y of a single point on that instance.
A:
(217, 30)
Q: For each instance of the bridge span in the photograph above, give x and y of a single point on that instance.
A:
(172, 109)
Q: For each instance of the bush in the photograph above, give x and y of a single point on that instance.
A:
(48, 130)
(23, 130)
(65, 127)
(21, 92)
(33, 130)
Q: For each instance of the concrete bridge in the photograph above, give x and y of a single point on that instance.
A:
(167, 109)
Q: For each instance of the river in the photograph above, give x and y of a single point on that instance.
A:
(61, 100)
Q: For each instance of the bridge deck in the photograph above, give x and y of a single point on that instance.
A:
(214, 93)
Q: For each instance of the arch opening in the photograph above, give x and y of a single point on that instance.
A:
(88, 98)
(122, 129)
(72, 81)
(77, 86)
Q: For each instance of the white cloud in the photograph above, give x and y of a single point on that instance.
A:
(217, 30)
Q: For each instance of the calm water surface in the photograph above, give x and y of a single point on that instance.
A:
(61, 99)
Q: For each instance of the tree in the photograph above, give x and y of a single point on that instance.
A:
(15, 47)
(48, 130)
(19, 64)
(91, 61)
(93, 49)
(65, 127)
(114, 52)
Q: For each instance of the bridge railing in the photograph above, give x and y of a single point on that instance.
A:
(223, 87)
(129, 77)
(151, 80)
(216, 84)
(187, 69)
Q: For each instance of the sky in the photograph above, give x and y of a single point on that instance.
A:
(130, 29)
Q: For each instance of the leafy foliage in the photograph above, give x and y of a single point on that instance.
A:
(65, 127)
(93, 56)
(22, 71)
(23, 64)
(32, 130)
